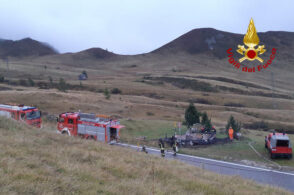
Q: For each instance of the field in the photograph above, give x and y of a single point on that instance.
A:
(149, 103)
(34, 161)
(151, 89)
(237, 151)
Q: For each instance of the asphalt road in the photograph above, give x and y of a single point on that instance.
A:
(260, 175)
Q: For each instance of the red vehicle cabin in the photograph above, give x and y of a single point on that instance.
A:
(89, 126)
(279, 145)
(27, 114)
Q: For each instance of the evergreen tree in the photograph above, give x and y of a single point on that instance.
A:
(204, 118)
(208, 125)
(236, 126)
(191, 115)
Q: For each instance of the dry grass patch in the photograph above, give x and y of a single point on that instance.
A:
(37, 161)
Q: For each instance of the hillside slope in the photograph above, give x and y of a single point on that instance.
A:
(37, 161)
(24, 48)
(216, 42)
(198, 52)
(163, 82)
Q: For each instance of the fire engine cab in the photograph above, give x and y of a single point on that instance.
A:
(278, 144)
(89, 126)
(27, 114)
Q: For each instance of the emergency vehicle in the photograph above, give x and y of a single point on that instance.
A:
(29, 115)
(89, 126)
(278, 144)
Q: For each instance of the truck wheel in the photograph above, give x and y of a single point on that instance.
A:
(91, 137)
(273, 156)
(289, 156)
(64, 133)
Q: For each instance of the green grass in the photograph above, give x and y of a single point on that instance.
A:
(236, 151)
(151, 129)
(37, 161)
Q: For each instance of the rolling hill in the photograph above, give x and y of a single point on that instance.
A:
(24, 48)
(191, 68)
(215, 42)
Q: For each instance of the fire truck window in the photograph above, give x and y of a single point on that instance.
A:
(70, 121)
(282, 143)
(12, 115)
(61, 120)
(112, 133)
(23, 116)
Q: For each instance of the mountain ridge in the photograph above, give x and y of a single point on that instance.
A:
(196, 41)
(24, 48)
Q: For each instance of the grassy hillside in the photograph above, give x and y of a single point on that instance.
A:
(24, 48)
(160, 84)
(34, 161)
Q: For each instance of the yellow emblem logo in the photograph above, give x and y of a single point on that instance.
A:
(251, 40)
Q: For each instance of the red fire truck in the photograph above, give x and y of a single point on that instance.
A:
(278, 144)
(89, 126)
(28, 114)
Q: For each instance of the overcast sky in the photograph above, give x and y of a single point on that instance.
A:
(134, 26)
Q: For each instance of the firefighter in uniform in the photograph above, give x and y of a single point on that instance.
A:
(174, 145)
(161, 146)
(175, 148)
(144, 149)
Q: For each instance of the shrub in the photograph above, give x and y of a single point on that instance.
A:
(2, 79)
(150, 113)
(232, 104)
(116, 91)
(99, 91)
(22, 82)
(62, 86)
(31, 82)
(106, 94)
(43, 85)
